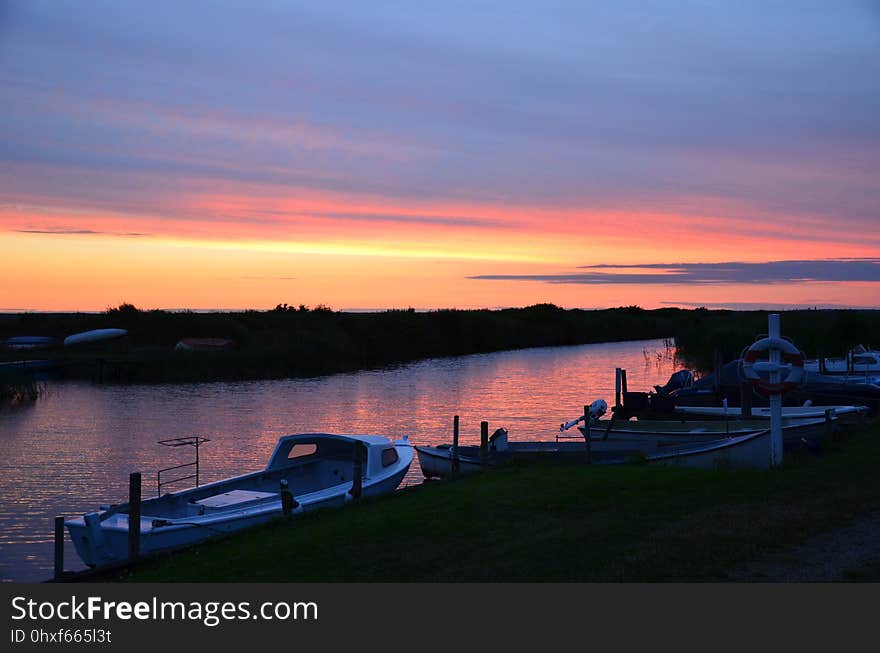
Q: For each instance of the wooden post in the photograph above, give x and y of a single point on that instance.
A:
(745, 400)
(59, 548)
(357, 481)
(616, 389)
(134, 515)
(484, 444)
(623, 387)
(587, 435)
(456, 464)
(829, 424)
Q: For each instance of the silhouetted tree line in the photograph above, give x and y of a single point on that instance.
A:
(301, 341)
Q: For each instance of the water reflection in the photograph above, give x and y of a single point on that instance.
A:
(74, 449)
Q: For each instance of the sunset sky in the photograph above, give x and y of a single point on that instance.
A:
(382, 154)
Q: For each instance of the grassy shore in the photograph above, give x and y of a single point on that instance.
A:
(569, 523)
(290, 342)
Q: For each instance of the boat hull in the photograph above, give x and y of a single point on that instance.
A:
(741, 452)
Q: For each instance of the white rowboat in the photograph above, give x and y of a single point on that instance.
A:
(318, 468)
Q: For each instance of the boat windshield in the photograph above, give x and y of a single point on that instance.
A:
(302, 450)
(389, 456)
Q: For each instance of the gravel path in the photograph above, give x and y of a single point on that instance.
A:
(851, 553)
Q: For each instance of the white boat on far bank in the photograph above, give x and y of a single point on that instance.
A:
(95, 335)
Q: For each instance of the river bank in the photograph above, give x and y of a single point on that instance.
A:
(571, 523)
(290, 342)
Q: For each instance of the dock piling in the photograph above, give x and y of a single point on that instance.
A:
(616, 390)
(587, 434)
(829, 423)
(745, 400)
(484, 444)
(455, 461)
(59, 548)
(357, 481)
(134, 515)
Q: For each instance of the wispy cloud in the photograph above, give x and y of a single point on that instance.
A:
(863, 269)
(445, 220)
(65, 231)
(766, 306)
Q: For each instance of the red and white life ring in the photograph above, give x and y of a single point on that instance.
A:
(792, 367)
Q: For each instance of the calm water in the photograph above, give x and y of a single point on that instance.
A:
(74, 448)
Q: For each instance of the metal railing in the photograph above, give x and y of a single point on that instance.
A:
(191, 441)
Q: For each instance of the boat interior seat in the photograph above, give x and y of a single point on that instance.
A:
(231, 500)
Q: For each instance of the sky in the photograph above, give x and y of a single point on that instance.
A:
(368, 155)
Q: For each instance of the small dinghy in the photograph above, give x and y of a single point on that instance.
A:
(317, 469)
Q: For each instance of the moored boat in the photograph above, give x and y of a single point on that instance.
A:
(858, 360)
(749, 450)
(317, 468)
(794, 430)
(843, 413)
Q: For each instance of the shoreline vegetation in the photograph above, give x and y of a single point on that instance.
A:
(544, 522)
(300, 341)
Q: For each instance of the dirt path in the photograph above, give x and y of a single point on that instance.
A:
(851, 553)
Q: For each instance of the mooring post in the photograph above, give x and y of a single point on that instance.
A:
(587, 435)
(623, 387)
(745, 400)
(484, 444)
(134, 515)
(357, 481)
(455, 462)
(59, 547)
(616, 389)
(774, 332)
(829, 423)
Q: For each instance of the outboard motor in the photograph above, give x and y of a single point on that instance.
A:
(680, 379)
(498, 440)
(597, 409)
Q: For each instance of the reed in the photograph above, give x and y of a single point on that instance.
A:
(17, 389)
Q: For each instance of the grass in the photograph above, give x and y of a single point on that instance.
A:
(555, 523)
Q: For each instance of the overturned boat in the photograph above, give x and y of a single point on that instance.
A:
(305, 472)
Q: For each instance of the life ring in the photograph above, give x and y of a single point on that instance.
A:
(793, 366)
